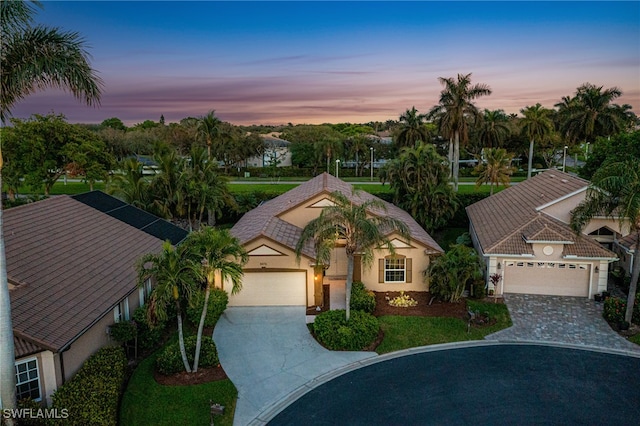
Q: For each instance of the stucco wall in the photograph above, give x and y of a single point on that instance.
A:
(304, 213)
(562, 209)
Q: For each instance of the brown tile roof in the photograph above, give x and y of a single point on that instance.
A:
(75, 264)
(263, 220)
(505, 220)
(630, 241)
(23, 347)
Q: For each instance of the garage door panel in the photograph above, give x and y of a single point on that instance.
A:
(547, 278)
(272, 289)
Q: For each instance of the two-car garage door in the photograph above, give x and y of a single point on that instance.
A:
(272, 289)
(550, 278)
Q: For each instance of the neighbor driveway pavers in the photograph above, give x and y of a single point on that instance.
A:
(268, 353)
(569, 320)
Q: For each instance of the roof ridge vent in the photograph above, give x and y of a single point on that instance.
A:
(552, 175)
(564, 181)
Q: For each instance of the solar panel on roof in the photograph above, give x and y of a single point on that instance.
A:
(133, 216)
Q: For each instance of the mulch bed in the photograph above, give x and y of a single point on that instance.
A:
(423, 309)
(203, 375)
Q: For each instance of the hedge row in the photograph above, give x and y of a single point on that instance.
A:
(615, 308)
(92, 395)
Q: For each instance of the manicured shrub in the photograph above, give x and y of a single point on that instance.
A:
(123, 331)
(615, 308)
(362, 299)
(218, 301)
(92, 395)
(148, 337)
(334, 332)
(170, 361)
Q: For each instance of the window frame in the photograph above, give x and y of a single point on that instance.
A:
(395, 270)
(29, 380)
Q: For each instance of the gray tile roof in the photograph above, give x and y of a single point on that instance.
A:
(505, 220)
(74, 264)
(264, 220)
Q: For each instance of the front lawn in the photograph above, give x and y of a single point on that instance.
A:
(402, 332)
(145, 402)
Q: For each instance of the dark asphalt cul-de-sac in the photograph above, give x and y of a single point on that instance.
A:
(486, 385)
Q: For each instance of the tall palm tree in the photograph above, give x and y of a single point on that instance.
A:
(177, 278)
(412, 128)
(329, 147)
(456, 109)
(419, 179)
(358, 226)
(208, 127)
(536, 125)
(33, 58)
(494, 128)
(131, 186)
(217, 252)
(615, 192)
(496, 168)
(591, 113)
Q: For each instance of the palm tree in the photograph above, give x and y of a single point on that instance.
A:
(208, 127)
(361, 230)
(494, 128)
(177, 278)
(33, 58)
(496, 169)
(536, 125)
(615, 193)
(412, 128)
(328, 147)
(131, 186)
(456, 109)
(419, 179)
(591, 113)
(216, 251)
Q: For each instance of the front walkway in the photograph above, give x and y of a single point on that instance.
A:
(569, 320)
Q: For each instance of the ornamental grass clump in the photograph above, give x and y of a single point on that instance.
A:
(403, 301)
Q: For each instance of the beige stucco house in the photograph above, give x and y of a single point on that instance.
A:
(523, 234)
(271, 231)
(71, 266)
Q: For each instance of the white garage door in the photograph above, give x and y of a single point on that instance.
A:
(272, 289)
(550, 278)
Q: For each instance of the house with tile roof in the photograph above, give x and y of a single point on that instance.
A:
(271, 231)
(523, 235)
(71, 267)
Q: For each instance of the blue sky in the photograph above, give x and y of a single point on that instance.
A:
(314, 62)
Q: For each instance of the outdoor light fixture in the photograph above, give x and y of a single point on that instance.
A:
(597, 270)
(499, 265)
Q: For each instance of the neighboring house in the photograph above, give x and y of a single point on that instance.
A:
(625, 249)
(271, 231)
(276, 153)
(71, 266)
(523, 234)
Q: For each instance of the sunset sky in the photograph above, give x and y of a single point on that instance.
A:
(303, 62)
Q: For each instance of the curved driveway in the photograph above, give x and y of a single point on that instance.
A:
(482, 385)
(268, 353)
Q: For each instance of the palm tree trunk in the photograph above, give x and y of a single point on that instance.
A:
(183, 351)
(530, 165)
(211, 217)
(203, 316)
(349, 284)
(450, 157)
(7, 355)
(456, 160)
(633, 287)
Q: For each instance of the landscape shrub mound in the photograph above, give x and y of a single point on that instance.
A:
(362, 299)
(148, 337)
(334, 332)
(615, 308)
(170, 361)
(218, 301)
(92, 395)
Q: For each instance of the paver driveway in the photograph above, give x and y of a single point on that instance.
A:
(268, 353)
(570, 320)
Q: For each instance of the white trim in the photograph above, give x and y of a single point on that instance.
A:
(264, 250)
(25, 361)
(403, 269)
(141, 296)
(547, 241)
(564, 197)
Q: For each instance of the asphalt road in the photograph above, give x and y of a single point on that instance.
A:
(492, 385)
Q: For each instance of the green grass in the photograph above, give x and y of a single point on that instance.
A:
(409, 332)
(635, 339)
(145, 402)
(59, 188)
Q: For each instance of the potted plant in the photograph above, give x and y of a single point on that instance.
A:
(597, 297)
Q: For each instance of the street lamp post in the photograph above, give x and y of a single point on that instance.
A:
(371, 165)
(564, 159)
(337, 165)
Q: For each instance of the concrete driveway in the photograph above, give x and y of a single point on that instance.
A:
(268, 353)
